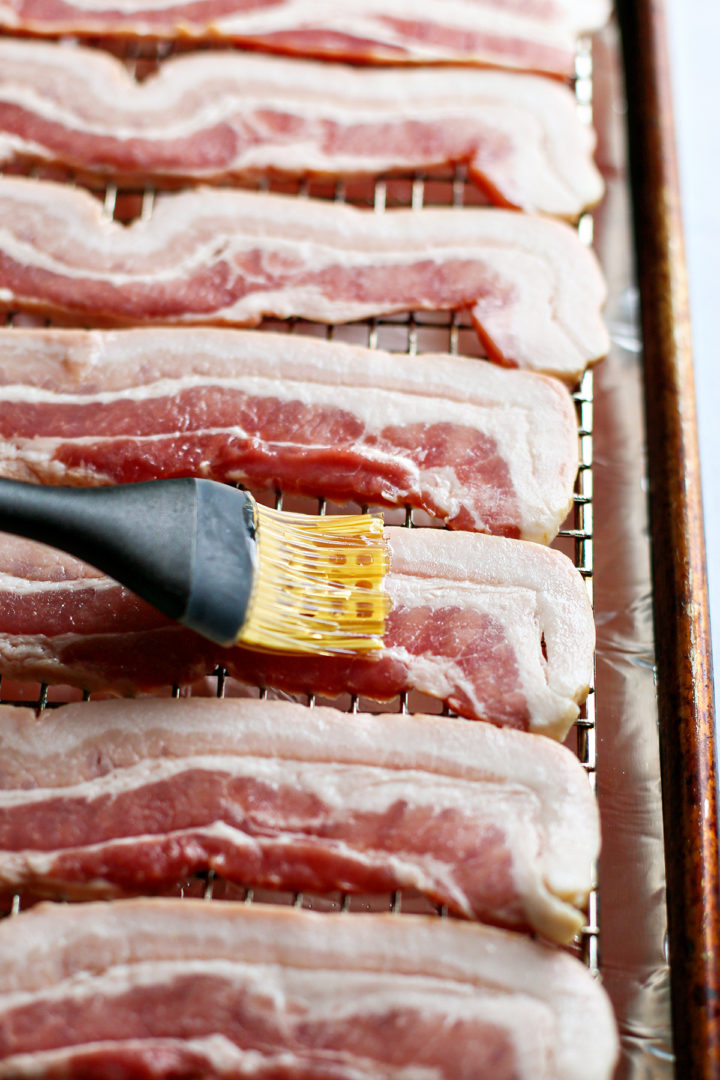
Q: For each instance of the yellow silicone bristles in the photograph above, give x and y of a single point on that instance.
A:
(318, 584)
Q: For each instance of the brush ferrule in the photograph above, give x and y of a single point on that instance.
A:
(225, 562)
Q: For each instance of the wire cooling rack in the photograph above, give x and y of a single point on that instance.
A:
(411, 333)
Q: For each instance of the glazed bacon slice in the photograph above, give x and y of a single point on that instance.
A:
(521, 136)
(221, 256)
(480, 448)
(530, 35)
(132, 796)
(497, 629)
(187, 987)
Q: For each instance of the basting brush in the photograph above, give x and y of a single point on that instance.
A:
(210, 556)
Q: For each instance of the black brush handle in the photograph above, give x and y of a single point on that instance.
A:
(186, 546)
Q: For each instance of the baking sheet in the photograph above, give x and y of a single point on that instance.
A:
(633, 917)
(632, 921)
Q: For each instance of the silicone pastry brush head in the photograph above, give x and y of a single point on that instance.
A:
(318, 584)
(210, 556)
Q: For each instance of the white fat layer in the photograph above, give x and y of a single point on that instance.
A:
(339, 786)
(555, 27)
(122, 245)
(318, 995)
(274, 980)
(251, 76)
(312, 224)
(372, 101)
(16, 586)
(224, 108)
(392, 407)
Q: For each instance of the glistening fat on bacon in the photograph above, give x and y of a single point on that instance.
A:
(535, 35)
(132, 796)
(521, 136)
(498, 629)
(481, 448)
(174, 988)
(221, 256)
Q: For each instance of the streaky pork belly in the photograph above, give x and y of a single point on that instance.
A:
(217, 255)
(219, 989)
(534, 35)
(497, 629)
(478, 447)
(520, 135)
(131, 796)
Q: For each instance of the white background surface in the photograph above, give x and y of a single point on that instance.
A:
(694, 33)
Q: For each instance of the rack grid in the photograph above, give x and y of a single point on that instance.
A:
(412, 333)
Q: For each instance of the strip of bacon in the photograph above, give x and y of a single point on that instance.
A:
(480, 448)
(521, 136)
(174, 988)
(132, 796)
(497, 629)
(533, 35)
(222, 256)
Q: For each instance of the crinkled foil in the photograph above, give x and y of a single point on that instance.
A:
(633, 919)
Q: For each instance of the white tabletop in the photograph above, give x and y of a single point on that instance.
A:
(694, 30)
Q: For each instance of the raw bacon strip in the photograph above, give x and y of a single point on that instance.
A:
(520, 135)
(221, 256)
(479, 447)
(532, 35)
(131, 796)
(497, 629)
(174, 988)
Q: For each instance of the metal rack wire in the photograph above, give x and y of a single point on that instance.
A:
(414, 332)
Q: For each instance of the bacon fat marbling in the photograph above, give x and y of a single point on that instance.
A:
(131, 796)
(211, 255)
(478, 447)
(520, 135)
(185, 988)
(497, 629)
